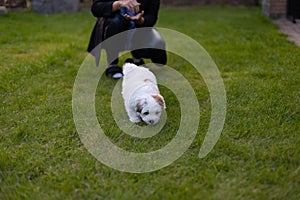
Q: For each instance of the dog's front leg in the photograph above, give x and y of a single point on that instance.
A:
(134, 117)
(132, 114)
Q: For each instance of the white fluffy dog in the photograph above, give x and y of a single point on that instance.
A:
(141, 95)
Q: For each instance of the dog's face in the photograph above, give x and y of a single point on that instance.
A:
(150, 107)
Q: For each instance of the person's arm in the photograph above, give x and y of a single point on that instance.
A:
(102, 8)
(150, 13)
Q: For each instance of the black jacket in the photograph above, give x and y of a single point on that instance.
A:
(103, 9)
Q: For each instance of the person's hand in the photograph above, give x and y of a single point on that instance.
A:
(132, 5)
(138, 18)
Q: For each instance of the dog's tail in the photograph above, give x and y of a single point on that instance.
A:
(127, 67)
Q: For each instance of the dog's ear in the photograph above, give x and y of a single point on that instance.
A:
(140, 103)
(160, 100)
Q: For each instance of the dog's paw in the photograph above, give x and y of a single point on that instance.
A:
(135, 119)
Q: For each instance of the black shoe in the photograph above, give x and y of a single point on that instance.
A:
(114, 72)
(130, 60)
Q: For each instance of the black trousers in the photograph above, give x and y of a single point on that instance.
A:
(154, 42)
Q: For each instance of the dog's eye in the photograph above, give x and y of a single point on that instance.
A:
(146, 113)
(157, 112)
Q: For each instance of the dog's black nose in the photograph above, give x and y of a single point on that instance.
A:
(151, 121)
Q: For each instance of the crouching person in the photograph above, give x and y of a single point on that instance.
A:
(114, 17)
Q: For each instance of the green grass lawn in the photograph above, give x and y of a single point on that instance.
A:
(256, 157)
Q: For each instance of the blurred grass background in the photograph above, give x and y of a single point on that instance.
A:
(257, 156)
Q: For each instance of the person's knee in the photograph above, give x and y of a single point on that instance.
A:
(150, 44)
(159, 43)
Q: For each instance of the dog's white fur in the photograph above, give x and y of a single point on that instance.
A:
(141, 95)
